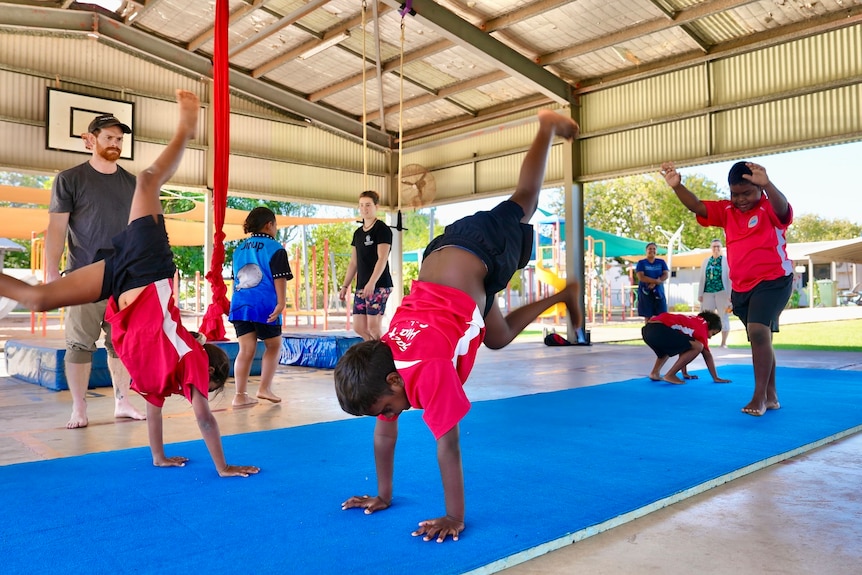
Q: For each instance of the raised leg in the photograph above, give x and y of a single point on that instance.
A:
(532, 174)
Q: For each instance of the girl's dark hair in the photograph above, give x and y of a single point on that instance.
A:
(713, 322)
(375, 197)
(257, 219)
(360, 376)
(220, 365)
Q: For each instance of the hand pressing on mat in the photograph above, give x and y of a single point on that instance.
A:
(370, 504)
(440, 528)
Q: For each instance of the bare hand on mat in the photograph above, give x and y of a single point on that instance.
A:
(370, 504)
(440, 528)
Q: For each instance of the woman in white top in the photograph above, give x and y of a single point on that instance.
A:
(715, 287)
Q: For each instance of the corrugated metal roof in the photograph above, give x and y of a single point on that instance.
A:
(584, 43)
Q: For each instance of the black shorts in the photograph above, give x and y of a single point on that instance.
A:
(665, 341)
(262, 330)
(141, 256)
(498, 238)
(764, 302)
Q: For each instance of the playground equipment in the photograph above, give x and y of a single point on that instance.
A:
(603, 297)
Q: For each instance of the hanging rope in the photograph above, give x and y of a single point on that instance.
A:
(399, 223)
(364, 103)
(212, 325)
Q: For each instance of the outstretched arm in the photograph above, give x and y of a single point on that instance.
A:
(212, 437)
(686, 196)
(449, 460)
(385, 436)
(710, 365)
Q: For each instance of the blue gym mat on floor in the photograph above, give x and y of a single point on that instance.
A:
(540, 470)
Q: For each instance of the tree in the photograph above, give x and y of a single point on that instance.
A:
(813, 228)
(640, 207)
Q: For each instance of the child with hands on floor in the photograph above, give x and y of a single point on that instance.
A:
(755, 220)
(428, 352)
(670, 334)
(162, 357)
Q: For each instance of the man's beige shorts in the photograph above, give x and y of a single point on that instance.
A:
(84, 325)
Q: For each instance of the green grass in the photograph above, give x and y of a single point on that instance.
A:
(842, 335)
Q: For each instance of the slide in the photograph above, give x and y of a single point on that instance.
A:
(556, 282)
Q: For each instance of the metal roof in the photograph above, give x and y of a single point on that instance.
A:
(464, 61)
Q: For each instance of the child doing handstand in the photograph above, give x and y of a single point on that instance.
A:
(670, 334)
(426, 355)
(162, 357)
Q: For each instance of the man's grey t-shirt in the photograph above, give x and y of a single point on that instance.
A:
(98, 206)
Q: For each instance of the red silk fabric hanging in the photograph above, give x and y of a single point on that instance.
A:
(212, 325)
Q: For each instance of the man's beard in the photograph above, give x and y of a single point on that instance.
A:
(110, 154)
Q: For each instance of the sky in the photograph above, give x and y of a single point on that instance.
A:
(826, 182)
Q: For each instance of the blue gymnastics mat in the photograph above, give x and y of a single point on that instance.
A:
(541, 471)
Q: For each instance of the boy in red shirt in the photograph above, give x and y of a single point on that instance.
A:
(428, 352)
(761, 275)
(670, 334)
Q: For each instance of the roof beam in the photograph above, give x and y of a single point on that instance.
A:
(276, 26)
(241, 13)
(643, 29)
(489, 48)
(81, 21)
(795, 31)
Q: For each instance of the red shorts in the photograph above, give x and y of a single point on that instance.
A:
(162, 357)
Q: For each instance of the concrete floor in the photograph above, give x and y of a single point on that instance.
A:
(798, 517)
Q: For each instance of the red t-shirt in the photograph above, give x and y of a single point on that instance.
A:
(756, 245)
(434, 336)
(162, 357)
(691, 325)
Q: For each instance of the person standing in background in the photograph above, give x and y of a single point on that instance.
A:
(369, 263)
(715, 288)
(260, 273)
(652, 273)
(90, 204)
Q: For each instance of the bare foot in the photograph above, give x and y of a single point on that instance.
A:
(672, 378)
(78, 419)
(123, 408)
(773, 404)
(243, 400)
(655, 376)
(563, 126)
(269, 396)
(754, 408)
(190, 106)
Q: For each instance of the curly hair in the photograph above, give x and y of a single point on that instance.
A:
(360, 376)
(713, 322)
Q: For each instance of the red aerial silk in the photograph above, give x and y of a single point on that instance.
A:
(212, 325)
